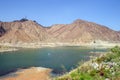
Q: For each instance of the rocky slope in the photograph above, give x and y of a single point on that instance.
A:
(26, 31)
(80, 31)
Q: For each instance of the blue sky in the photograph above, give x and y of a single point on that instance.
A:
(48, 12)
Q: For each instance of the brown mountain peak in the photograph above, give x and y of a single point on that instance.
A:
(22, 31)
(79, 21)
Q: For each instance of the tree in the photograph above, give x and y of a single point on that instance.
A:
(23, 20)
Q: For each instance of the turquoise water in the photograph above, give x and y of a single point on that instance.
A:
(54, 58)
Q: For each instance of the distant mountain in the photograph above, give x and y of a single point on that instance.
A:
(80, 31)
(21, 31)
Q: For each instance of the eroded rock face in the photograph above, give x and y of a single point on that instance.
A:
(79, 31)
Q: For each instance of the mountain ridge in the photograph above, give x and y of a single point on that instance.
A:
(27, 31)
(84, 30)
(77, 32)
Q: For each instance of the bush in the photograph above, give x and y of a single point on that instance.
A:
(23, 20)
(101, 59)
(80, 76)
(93, 73)
(116, 50)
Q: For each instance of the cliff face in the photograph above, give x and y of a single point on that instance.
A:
(77, 32)
(27, 31)
(82, 31)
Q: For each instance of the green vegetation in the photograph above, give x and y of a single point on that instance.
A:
(105, 67)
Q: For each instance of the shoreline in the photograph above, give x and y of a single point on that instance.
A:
(16, 75)
(49, 44)
(103, 67)
(86, 63)
(8, 50)
(33, 73)
(13, 47)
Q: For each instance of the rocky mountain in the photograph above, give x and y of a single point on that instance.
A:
(79, 31)
(21, 31)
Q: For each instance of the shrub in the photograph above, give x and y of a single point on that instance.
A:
(93, 72)
(101, 59)
(116, 50)
(23, 20)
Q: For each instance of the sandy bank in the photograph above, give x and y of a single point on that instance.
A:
(99, 44)
(7, 50)
(33, 73)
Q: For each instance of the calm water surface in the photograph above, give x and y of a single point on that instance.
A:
(54, 58)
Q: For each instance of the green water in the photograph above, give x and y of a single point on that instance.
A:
(53, 58)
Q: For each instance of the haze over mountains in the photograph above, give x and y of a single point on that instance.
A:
(79, 31)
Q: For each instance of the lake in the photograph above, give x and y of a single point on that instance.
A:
(56, 58)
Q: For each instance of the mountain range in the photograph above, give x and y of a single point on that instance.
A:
(79, 31)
